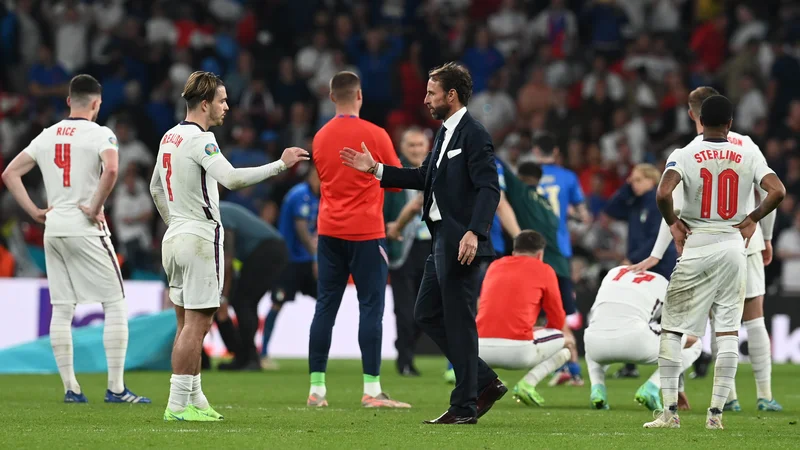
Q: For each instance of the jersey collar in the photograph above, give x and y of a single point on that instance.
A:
(720, 140)
(76, 118)
(186, 122)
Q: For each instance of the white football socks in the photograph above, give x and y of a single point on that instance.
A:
(670, 368)
(179, 391)
(688, 357)
(724, 369)
(546, 367)
(760, 356)
(198, 398)
(115, 341)
(597, 373)
(61, 341)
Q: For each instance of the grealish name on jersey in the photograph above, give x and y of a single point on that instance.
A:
(172, 138)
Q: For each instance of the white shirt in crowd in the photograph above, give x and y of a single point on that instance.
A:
(134, 151)
(132, 205)
(789, 241)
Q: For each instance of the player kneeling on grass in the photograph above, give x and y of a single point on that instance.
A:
(516, 288)
(78, 160)
(623, 328)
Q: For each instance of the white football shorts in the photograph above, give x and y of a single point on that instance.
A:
(195, 271)
(711, 282)
(638, 345)
(755, 276)
(82, 269)
(512, 354)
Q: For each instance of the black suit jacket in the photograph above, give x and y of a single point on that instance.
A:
(466, 185)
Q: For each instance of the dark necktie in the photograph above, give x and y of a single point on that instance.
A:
(437, 148)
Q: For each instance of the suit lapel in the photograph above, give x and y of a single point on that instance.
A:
(453, 139)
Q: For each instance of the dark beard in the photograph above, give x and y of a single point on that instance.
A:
(440, 113)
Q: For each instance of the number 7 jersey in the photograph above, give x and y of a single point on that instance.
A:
(185, 153)
(68, 155)
(718, 180)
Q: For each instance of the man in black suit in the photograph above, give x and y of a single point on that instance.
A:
(459, 178)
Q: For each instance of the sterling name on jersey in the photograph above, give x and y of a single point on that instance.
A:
(740, 140)
(627, 299)
(185, 153)
(718, 182)
(68, 154)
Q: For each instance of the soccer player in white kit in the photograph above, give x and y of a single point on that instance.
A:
(623, 327)
(759, 254)
(712, 271)
(78, 160)
(184, 189)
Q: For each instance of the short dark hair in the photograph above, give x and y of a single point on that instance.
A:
(546, 143)
(201, 86)
(716, 111)
(530, 169)
(82, 86)
(529, 241)
(698, 96)
(344, 86)
(453, 75)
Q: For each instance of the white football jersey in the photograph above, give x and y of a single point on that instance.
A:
(185, 153)
(718, 182)
(68, 154)
(627, 299)
(740, 140)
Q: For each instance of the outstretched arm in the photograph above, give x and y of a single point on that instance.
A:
(391, 177)
(12, 177)
(233, 179)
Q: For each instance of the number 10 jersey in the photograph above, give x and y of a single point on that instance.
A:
(68, 155)
(718, 179)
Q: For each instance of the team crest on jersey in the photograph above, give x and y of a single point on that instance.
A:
(113, 141)
(212, 149)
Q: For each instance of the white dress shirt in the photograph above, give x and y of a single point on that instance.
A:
(450, 125)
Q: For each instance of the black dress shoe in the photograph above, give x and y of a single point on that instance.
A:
(490, 394)
(449, 418)
(408, 371)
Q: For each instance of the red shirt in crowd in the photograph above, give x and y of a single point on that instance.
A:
(515, 290)
(351, 202)
(709, 43)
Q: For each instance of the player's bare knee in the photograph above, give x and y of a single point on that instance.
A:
(690, 340)
(727, 333)
(753, 308)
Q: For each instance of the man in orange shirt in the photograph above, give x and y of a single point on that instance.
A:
(352, 240)
(516, 289)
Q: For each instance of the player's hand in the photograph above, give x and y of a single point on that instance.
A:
(294, 155)
(767, 253)
(683, 402)
(569, 341)
(747, 227)
(96, 218)
(361, 161)
(467, 248)
(393, 231)
(680, 231)
(645, 265)
(40, 215)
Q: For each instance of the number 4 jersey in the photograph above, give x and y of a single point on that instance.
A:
(68, 155)
(718, 180)
(627, 300)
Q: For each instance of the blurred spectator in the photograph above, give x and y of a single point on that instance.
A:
(298, 129)
(613, 82)
(158, 28)
(482, 60)
(132, 151)
(751, 107)
(507, 25)
(70, 21)
(607, 22)
(376, 57)
(289, 89)
(320, 84)
(48, 80)
(133, 209)
(494, 108)
(749, 28)
(557, 27)
(708, 43)
(634, 132)
(788, 251)
(535, 96)
(259, 105)
(309, 58)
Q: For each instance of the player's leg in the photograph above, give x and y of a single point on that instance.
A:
(369, 265)
(732, 404)
(572, 372)
(403, 296)
(333, 275)
(295, 277)
(730, 273)
(550, 354)
(225, 327)
(195, 279)
(758, 343)
(63, 300)
(596, 346)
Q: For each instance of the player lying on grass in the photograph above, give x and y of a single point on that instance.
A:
(623, 328)
(516, 288)
(78, 160)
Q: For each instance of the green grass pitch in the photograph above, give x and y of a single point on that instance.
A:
(267, 410)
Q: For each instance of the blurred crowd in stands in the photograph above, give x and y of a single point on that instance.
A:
(609, 78)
